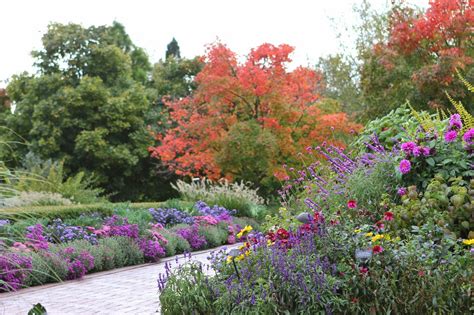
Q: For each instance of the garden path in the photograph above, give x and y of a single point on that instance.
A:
(130, 290)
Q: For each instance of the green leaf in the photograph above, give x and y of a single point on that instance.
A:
(430, 161)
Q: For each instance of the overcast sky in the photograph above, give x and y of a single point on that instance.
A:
(241, 24)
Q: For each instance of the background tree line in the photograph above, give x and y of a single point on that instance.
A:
(98, 105)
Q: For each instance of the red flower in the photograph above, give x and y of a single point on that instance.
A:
(271, 236)
(283, 234)
(377, 249)
(352, 204)
(363, 270)
(388, 216)
(317, 217)
(379, 225)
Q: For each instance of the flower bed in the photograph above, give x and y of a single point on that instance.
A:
(381, 232)
(56, 250)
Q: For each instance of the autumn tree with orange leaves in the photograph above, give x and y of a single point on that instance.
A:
(246, 119)
(418, 61)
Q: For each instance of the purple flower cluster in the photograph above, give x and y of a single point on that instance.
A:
(455, 122)
(191, 234)
(117, 226)
(468, 138)
(59, 232)
(170, 216)
(411, 148)
(77, 264)
(152, 250)
(4, 222)
(35, 237)
(220, 213)
(454, 125)
(13, 271)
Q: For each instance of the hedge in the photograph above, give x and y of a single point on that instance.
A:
(70, 211)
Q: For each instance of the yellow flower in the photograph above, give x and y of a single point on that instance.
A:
(229, 259)
(387, 237)
(269, 243)
(247, 253)
(357, 231)
(244, 231)
(240, 257)
(377, 237)
(468, 242)
(370, 234)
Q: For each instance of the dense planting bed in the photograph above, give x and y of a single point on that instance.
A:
(48, 244)
(385, 229)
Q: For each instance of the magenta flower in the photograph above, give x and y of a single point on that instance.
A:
(405, 166)
(425, 151)
(468, 137)
(352, 204)
(402, 191)
(416, 151)
(388, 216)
(408, 147)
(450, 136)
(377, 249)
(455, 122)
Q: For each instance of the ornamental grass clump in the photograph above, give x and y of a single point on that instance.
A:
(238, 196)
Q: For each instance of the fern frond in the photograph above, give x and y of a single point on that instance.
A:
(467, 119)
(469, 86)
(423, 118)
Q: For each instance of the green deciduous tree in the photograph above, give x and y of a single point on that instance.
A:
(87, 107)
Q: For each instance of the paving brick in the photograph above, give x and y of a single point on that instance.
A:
(131, 290)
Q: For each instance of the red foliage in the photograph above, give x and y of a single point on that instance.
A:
(442, 37)
(261, 89)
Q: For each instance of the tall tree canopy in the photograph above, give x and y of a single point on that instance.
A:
(418, 60)
(87, 105)
(172, 50)
(246, 119)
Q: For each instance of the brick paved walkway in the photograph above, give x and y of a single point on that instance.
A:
(130, 290)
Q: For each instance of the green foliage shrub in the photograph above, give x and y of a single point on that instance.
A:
(187, 293)
(46, 268)
(186, 206)
(450, 203)
(176, 244)
(49, 176)
(368, 185)
(52, 212)
(215, 235)
(142, 217)
(70, 211)
(119, 252)
(393, 128)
